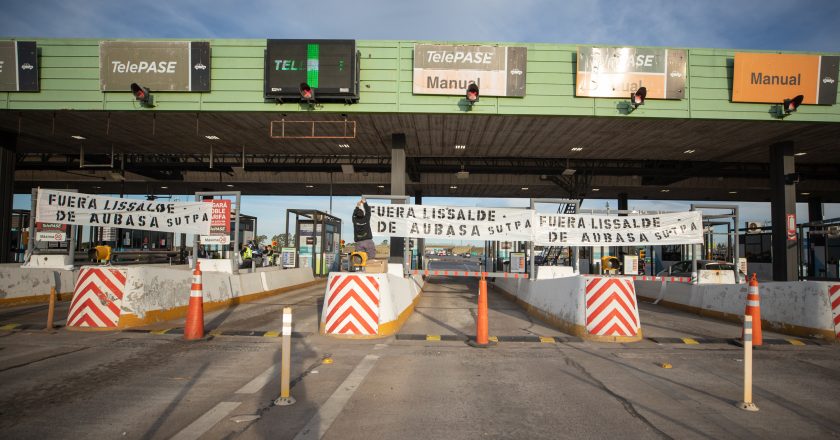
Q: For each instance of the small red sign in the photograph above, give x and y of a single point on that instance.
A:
(220, 218)
(791, 227)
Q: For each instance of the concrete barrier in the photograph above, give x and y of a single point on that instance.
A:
(151, 294)
(369, 305)
(799, 308)
(19, 286)
(592, 307)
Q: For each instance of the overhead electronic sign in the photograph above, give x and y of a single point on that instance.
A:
(328, 67)
(160, 66)
(772, 78)
(617, 72)
(18, 66)
(450, 69)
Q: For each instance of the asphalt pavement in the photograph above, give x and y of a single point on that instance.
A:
(423, 383)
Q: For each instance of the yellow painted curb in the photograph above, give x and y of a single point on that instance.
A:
(690, 341)
(33, 299)
(433, 337)
(566, 326)
(787, 329)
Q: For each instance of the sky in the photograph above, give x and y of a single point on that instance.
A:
(803, 25)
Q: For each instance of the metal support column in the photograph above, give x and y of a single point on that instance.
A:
(782, 206)
(398, 244)
(8, 147)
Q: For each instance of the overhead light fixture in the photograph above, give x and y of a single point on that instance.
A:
(472, 94)
(97, 187)
(164, 187)
(343, 145)
(805, 194)
(666, 190)
(81, 138)
(212, 137)
(577, 148)
(689, 151)
(306, 93)
(790, 105)
(229, 185)
(310, 186)
(142, 94)
(733, 192)
(453, 186)
(524, 188)
(380, 186)
(800, 154)
(638, 98)
(596, 189)
(460, 147)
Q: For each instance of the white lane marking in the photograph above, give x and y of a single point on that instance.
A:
(203, 424)
(329, 411)
(258, 382)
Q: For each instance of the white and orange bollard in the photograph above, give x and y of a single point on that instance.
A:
(753, 309)
(747, 404)
(285, 360)
(194, 328)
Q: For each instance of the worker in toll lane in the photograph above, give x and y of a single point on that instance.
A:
(268, 256)
(361, 229)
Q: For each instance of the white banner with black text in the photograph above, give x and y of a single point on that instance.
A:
(87, 209)
(451, 222)
(614, 230)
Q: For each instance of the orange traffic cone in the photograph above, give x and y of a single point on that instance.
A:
(754, 309)
(194, 328)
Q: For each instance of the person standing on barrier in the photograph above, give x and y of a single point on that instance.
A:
(361, 229)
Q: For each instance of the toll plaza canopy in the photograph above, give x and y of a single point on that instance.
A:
(549, 120)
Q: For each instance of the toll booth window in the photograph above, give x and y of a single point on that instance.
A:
(671, 253)
(757, 248)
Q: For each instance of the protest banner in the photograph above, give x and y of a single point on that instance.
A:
(449, 222)
(95, 210)
(614, 230)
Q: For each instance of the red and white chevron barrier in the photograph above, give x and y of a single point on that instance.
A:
(611, 308)
(352, 305)
(97, 298)
(834, 298)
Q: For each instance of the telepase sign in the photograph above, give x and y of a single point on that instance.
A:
(162, 66)
(510, 224)
(450, 69)
(87, 209)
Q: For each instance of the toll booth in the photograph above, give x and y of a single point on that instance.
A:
(19, 235)
(819, 250)
(315, 243)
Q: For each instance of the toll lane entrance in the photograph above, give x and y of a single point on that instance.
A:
(447, 309)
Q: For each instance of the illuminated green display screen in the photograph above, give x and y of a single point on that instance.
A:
(328, 66)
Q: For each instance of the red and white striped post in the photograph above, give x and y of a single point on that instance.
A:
(747, 404)
(194, 327)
